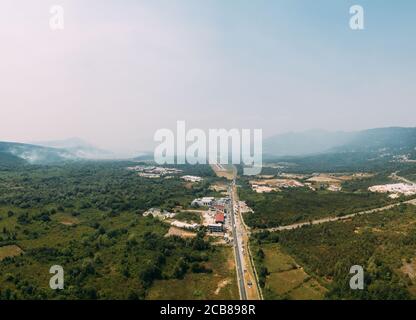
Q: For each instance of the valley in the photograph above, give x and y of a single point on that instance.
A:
(130, 229)
(88, 218)
(306, 237)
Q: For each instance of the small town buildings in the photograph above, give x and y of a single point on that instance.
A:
(398, 188)
(192, 178)
(153, 172)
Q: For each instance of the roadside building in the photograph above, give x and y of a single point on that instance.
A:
(222, 201)
(203, 202)
(219, 218)
(220, 207)
(216, 227)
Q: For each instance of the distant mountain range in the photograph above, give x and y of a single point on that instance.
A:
(392, 139)
(33, 154)
(50, 152)
(303, 143)
(78, 148)
(374, 142)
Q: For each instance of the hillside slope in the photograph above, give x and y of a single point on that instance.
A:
(33, 154)
(392, 139)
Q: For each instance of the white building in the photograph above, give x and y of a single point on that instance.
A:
(398, 188)
(203, 202)
(216, 227)
(192, 178)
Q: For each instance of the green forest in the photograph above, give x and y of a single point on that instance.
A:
(383, 244)
(302, 205)
(87, 217)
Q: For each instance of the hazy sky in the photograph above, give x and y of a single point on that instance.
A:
(122, 69)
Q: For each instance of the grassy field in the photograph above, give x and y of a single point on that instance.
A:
(221, 284)
(10, 251)
(66, 219)
(189, 217)
(285, 279)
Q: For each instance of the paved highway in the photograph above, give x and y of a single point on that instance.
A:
(237, 250)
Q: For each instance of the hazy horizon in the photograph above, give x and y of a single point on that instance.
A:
(121, 70)
(78, 141)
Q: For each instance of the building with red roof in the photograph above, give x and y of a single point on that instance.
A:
(219, 217)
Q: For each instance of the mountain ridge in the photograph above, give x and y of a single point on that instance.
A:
(320, 141)
(78, 148)
(389, 141)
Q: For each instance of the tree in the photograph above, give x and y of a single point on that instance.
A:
(260, 254)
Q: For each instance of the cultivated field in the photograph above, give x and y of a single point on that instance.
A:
(383, 243)
(285, 279)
